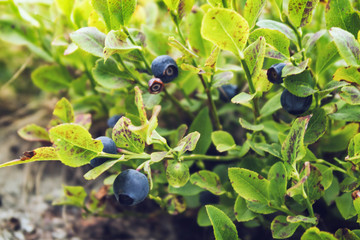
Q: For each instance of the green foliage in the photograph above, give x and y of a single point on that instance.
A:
(98, 54)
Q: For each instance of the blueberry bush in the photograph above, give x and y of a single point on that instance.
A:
(247, 111)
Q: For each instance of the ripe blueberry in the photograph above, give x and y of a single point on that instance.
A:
(227, 92)
(165, 68)
(131, 187)
(109, 147)
(293, 104)
(155, 85)
(274, 73)
(207, 197)
(113, 120)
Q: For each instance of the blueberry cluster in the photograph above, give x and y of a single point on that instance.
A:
(165, 70)
(292, 104)
(130, 186)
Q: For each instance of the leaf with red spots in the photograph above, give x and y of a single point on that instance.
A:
(73, 196)
(249, 185)
(208, 180)
(252, 11)
(300, 11)
(39, 154)
(121, 11)
(33, 132)
(63, 113)
(188, 143)
(280, 228)
(74, 144)
(127, 139)
(225, 28)
(278, 183)
(293, 148)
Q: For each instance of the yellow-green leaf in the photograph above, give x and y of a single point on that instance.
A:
(225, 28)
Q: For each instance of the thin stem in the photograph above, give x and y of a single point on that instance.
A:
(224, 2)
(298, 36)
(208, 158)
(332, 165)
(148, 68)
(18, 72)
(251, 89)
(309, 207)
(178, 104)
(121, 61)
(213, 110)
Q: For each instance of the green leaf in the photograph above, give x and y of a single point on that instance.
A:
(51, 78)
(300, 11)
(340, 13)
(314, 233)
(242, 212)
(249, 185)
(172, 4)
(346, 234)
(271, 106)
(347, 113)
(331, 86)
(140, 105)
(156, 41)
(102, 8)
(225, 28)
(223, 141)
(300, 85)
(350, 94)
(275, 38)
(259, 207)
(63, 112)
(316, 127)
(312, 186)
(281, 228)
(73, 196)
(118, 42)
(188, 189)
(90, 40)
(188, 143)
(293, 147)
(242, 98)
(339, 139)
(127, 139)
(274, 149)
(198, 44)
(347, 45)
(345, 205)
(33, 132)
(326, 57)
(74, 144)
(97, 171)
(208, 180)
(300, 218)
(310, 40)
(245, 124)
(39, 154)
(202, 124)
(108, 75)
(277, 184)
(293, 70)
(120, 12)
(254, 57)
(281, 27)
(252, 11)
(224, 228)
(222, 79)
(349, 74)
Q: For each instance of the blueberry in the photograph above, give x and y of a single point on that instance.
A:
(293, 104)
(109, 147)
(113, 120)
(131, 187)
(208, 198)
(227, 92)
(274, 73)
(155, 85)
(165, 68)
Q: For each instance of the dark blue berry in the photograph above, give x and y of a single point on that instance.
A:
(293, 104)
(131, 187)
(208, 198)
(109, 147)
(274, 73)
(165, 68)
(113, 120)
(227, 92)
